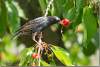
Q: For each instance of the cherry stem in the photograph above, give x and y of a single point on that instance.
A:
(48, 7)
(39, 49)
(40, 44)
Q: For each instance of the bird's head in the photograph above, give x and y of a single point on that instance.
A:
(64, 22)
(53, 19)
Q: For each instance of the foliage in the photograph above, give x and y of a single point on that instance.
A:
(80, 39)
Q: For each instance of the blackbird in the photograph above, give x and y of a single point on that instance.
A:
(39, 24)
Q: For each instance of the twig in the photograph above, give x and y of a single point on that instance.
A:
(39, 54)
(48, 7)
(40, 44)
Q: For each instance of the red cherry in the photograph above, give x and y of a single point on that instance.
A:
(35, 55)
(65, 22)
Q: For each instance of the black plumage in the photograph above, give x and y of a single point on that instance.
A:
(37, 25)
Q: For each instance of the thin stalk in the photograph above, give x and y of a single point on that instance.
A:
(48, 7)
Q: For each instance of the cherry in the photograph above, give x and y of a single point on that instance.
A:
(35, 55)
(65, 22)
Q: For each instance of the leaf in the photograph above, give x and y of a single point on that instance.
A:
(87, 51)
(61, 6)
(90, 23)
(96, 39)
(79, 4)
(83, 60)
(70, 14)
(10, 57)
(58, 7)
(20, 10)
(13, 17)
(43, 63)
(43, 5)
(62, 55)
(25, 57)
(3, 17)
(79, 13)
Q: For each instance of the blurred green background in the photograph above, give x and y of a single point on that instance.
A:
(78, 44)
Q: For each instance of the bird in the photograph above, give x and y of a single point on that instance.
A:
(38, 24)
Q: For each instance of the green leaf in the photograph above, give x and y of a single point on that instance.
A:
(20, 10)
(10, 57)
(68, 4)
(61, 6)
(87, 51)
(43, 63)
(43, 5)
(62, 55)
(96, 39)
(70, 14)
(58, 6)
(90, 23)
(25, 57)
(13, 17)
(3, 17)
(79, 4)
(83, 60)
(79, 13)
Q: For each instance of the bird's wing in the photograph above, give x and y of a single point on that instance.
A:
(32, 24)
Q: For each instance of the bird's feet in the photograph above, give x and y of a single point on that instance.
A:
(34, 35)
